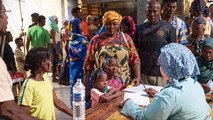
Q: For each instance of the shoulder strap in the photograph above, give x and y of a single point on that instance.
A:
(125, 39)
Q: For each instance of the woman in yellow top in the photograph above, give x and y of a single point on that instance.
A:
(37, 96)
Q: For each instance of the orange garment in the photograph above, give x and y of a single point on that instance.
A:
(85, 29)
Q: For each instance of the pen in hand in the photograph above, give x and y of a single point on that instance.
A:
(143, 85)
(151, 92)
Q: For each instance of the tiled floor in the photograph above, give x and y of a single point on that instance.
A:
(63, 94)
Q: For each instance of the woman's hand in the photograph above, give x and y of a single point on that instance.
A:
(206, 88)
(151, 92)
(121, 104)
(135, 82)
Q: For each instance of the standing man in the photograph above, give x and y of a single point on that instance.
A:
(211, 17)
(76, 12)
(168, 14)
(38, 36)
(34, 19)
(197, 9)
(149, 38)
(196, 38)
(8, 108)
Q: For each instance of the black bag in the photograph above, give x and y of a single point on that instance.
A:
(65, 73)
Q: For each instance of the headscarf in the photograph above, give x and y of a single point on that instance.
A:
(206, 67)
(77, 46)
(74, 26)
(127, 20)
(52, 23)
(112, 16)
(178, 62)
(198, 5)
(63, 21)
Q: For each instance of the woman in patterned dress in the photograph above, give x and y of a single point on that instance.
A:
(113, 43)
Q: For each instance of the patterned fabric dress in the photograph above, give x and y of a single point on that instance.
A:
(123, 50)
(77, 53)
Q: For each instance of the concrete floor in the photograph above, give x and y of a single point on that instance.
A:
(63, 94)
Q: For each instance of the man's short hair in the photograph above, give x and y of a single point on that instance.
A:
(199, 20)
(164, 2)
(75, 10)
(18, 39)
(40, 18)
(35, 15)
(198, 5)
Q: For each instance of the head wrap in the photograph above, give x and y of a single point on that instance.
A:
(206, 67)
(52, 23)
(208, 42)
(178, 63)
(112, 16)
(74, 26)
(127, 20)
(198, 5)
(74, 29)
(63, 21)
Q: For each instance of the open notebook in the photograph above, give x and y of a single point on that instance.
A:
(138, 95)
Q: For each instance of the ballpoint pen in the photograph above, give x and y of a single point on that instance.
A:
(143, 84)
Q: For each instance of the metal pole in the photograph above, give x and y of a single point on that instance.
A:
(3, 44)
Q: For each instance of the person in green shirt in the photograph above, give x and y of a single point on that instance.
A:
(38, 36)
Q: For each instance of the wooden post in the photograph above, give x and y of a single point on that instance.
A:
(141, 7)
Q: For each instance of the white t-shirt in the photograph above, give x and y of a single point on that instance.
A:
(5, 83)
(57, 36)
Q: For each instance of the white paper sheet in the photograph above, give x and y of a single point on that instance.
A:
(140, 88)
(138, 98)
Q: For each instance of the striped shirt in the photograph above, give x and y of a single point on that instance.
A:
(181, 29)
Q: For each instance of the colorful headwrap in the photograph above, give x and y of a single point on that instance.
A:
(74, 26)
(178, 62)
(112, 16)
(127, 20)
(52, 23)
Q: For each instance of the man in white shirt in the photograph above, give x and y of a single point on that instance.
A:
(8, 108)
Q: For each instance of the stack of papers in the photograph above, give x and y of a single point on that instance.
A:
(138, 98)
(140, 88)
(138, 95)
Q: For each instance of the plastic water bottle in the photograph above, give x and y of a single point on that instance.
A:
(78, 101)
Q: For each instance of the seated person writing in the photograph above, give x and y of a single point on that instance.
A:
(110, 66)
(101, 92)
(182, 98)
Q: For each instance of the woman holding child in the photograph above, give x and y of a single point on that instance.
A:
(113, 43)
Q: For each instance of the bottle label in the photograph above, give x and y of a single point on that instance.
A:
(78, 97)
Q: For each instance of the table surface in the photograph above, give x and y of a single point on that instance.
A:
(111, 111)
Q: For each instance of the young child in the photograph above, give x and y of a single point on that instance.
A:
(37, 96)
(101, 92)
(19, 54)
(110, 66)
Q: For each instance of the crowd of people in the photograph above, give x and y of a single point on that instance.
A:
(109, 53)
